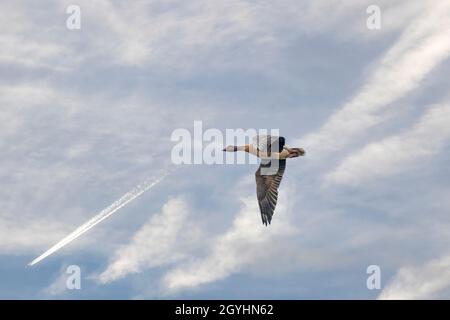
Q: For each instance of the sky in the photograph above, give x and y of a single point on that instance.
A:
(87, 114)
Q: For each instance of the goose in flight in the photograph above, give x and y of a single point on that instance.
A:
(273, 154)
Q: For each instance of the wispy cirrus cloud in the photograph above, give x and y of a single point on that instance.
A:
(166, 238)
(421, 48)
(397, 153)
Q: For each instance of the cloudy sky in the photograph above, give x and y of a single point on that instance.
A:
(86, 115)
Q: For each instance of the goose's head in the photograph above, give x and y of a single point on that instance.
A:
(230, 149)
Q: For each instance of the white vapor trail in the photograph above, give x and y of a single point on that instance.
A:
(105, 213)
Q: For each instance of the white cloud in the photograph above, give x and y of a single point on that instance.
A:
(16, 100)
(246, 241)
(22, 234)
(397, 153)
(429, 281)
(173, 34)
(162, 34)
(165, 238)
(59, 285)
(31, 42)
(421, 48)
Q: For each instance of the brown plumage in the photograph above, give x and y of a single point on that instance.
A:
(273, 154)
(267, 189)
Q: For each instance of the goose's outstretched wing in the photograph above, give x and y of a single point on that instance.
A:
(267, 189)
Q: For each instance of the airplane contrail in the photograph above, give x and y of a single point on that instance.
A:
(105, 213)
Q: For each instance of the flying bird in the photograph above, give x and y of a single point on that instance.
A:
(273, 153)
